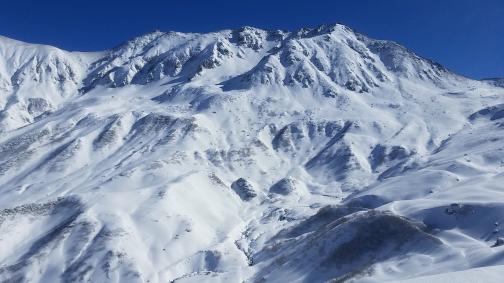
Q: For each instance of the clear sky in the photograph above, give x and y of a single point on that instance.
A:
(467, 36)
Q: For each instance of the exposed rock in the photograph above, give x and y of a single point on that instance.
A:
(37, 106)
(498, 242)
(244, 189)
(285, 186)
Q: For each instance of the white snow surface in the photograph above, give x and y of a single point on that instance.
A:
(247, 156)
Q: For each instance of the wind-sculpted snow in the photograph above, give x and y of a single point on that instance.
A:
(247, 156)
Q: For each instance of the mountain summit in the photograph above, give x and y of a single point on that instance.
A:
(247, 156)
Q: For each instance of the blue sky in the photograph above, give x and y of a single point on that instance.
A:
(467, 36)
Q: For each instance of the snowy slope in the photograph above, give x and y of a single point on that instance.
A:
(247, 155)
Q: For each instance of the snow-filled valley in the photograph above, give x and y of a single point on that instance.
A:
(248, 156)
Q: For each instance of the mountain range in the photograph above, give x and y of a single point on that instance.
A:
(316, 155)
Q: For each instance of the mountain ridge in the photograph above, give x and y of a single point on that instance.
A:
(246, 156)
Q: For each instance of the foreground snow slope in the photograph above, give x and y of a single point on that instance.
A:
(247, 155)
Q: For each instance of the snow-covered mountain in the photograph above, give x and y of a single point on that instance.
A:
(247, 155)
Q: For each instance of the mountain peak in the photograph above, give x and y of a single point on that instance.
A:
(245, 155)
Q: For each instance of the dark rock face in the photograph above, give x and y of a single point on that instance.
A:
(37, 106)
(244, 189)
(498, 242)
(390, 155)
(284, 186)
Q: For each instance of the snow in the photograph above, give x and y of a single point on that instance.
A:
(247, 155)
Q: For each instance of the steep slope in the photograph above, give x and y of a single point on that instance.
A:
(245, 155)
(35, 80)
